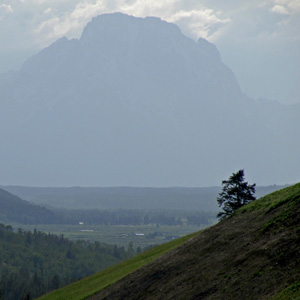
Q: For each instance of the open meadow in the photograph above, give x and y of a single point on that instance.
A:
(140, 236)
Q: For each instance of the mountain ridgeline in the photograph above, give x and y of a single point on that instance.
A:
(133, 102)
(130, 198)
(17, 211)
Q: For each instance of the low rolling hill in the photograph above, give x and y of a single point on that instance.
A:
(254, 254)
(15, 210)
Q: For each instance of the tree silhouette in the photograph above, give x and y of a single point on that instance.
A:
(235, 194)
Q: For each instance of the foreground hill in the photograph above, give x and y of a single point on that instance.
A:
(134, 102)
(254, 254)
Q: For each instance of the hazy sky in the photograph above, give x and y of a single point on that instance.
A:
(258, 39)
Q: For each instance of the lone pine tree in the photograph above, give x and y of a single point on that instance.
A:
(236, 192)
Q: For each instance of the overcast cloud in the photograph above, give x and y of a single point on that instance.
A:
(259, 40)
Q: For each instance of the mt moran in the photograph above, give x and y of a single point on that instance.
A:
(135, 102)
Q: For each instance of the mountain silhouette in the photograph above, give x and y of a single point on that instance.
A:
(135, 102)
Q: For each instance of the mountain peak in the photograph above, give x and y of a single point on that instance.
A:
(209, 48)
(156, 104)
(119, 26)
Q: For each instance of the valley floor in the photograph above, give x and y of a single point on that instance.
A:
(140, 236)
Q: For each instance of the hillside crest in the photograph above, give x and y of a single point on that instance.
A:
(252, 255)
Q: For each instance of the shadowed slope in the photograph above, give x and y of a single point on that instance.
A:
(15, 209)
(254, 254)
(90, 285)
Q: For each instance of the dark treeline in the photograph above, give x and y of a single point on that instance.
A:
(137, 217)
(17, 210)
(33, 263)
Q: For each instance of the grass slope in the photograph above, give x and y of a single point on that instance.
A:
(88, 286)
(254, 254)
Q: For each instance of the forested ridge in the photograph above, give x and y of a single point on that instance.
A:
(14, 209)
(33, 263)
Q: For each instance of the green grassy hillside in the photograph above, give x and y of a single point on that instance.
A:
(254, 254)
(95, 283)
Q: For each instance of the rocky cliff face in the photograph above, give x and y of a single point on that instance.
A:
(135, 102)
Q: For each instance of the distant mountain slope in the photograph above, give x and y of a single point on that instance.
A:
(189, 199)
(254, 254)
(134, 102)
(14, 209)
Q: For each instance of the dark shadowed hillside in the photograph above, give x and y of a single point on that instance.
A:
(14, 209)
(254, 254)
